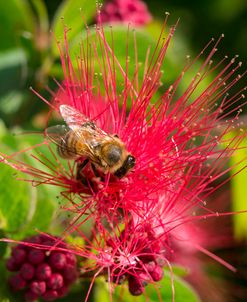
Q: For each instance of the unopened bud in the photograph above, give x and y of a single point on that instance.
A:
(38, 287)
(55, 281)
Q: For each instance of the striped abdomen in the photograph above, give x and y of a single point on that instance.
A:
(67, 148)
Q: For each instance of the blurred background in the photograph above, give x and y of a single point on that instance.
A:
(29, 58)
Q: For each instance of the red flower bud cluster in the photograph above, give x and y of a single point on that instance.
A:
(135, 12)
(41, 273)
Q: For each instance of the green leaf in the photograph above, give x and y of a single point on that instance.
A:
(4, 291)
(162, 291)
(3, 129)
(27, 207)
(78, 293)
(183, 291)
(3, 245)
(43, 212)
(180, 271)
(10, 103)
(16, 19)
(239, 188)
(224, 11)
(8, 140)
(70, 14)
(101, 291)
(41, 11)
(15, 200)
(13, 70)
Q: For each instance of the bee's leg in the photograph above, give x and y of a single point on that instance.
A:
(96, 173)
(80, 167)
(80, 176)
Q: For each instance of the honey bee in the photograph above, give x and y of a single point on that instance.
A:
(82, 138)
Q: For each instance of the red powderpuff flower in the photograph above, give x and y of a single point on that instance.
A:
(177, 140)
(125, 11)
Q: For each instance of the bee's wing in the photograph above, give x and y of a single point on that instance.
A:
(57, 133)
(73, 117)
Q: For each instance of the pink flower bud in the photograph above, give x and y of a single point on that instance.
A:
(135, 286)
(38, 287)
(70, 273)
(150, 266)
(27, 271)
(50, 295)
(55, 281)
(17, 282)
(144, 278)
(148, 255)
(71, 259)
(43, 271)
(36, 256)
(157, 274)
(57, 260)
(11, 265)
(19, 255)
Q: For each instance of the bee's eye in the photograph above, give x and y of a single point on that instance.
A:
(114, 155)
